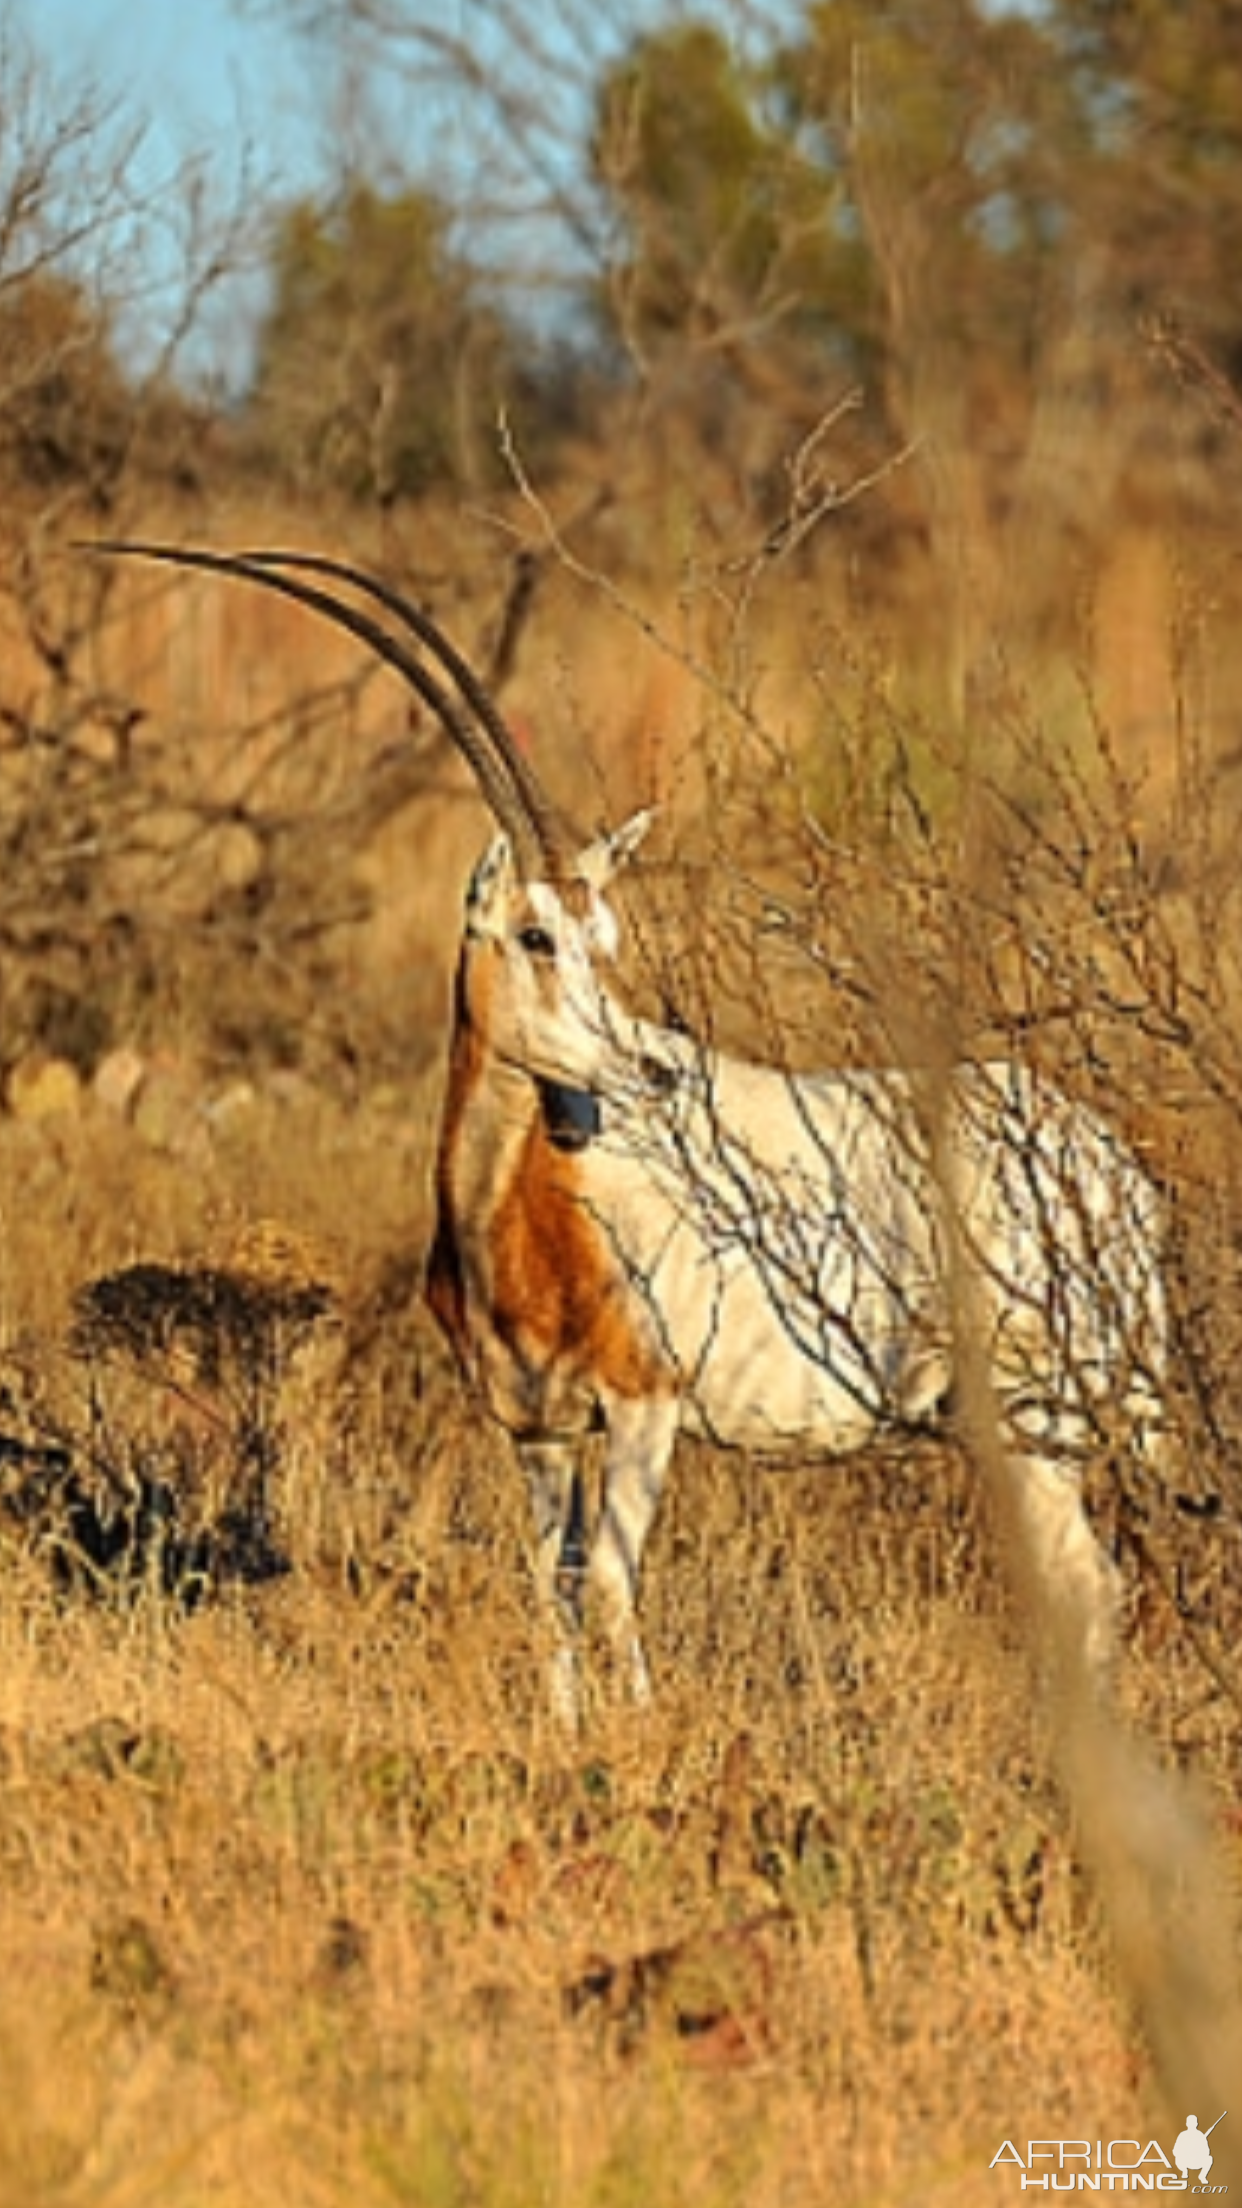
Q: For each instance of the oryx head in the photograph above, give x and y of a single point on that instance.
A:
(538, 954)
(539, 934)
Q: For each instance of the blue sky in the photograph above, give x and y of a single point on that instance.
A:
(216, 86)
(249, 103)
(206, 79)
(253, 106)
(207, 88)
(211, 77)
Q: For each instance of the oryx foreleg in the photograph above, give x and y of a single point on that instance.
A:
(640, 1443)
(558, 1511)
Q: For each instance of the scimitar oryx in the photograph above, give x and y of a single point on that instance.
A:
(638, 1234)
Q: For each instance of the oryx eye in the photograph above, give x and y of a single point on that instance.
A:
(537, 941)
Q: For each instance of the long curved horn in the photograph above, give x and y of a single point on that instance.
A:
(534, 800)
(506, 781)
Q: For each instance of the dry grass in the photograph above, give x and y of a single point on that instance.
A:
(303, 1895)
(307, 1899)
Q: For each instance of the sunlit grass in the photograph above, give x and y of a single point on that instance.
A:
(311, 1901)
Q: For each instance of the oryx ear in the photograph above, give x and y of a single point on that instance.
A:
(490, 894)
(601, 860)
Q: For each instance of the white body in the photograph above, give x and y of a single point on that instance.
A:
(784, 1240)
(640, 1234)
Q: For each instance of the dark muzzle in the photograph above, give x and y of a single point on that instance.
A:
(571, 1116)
